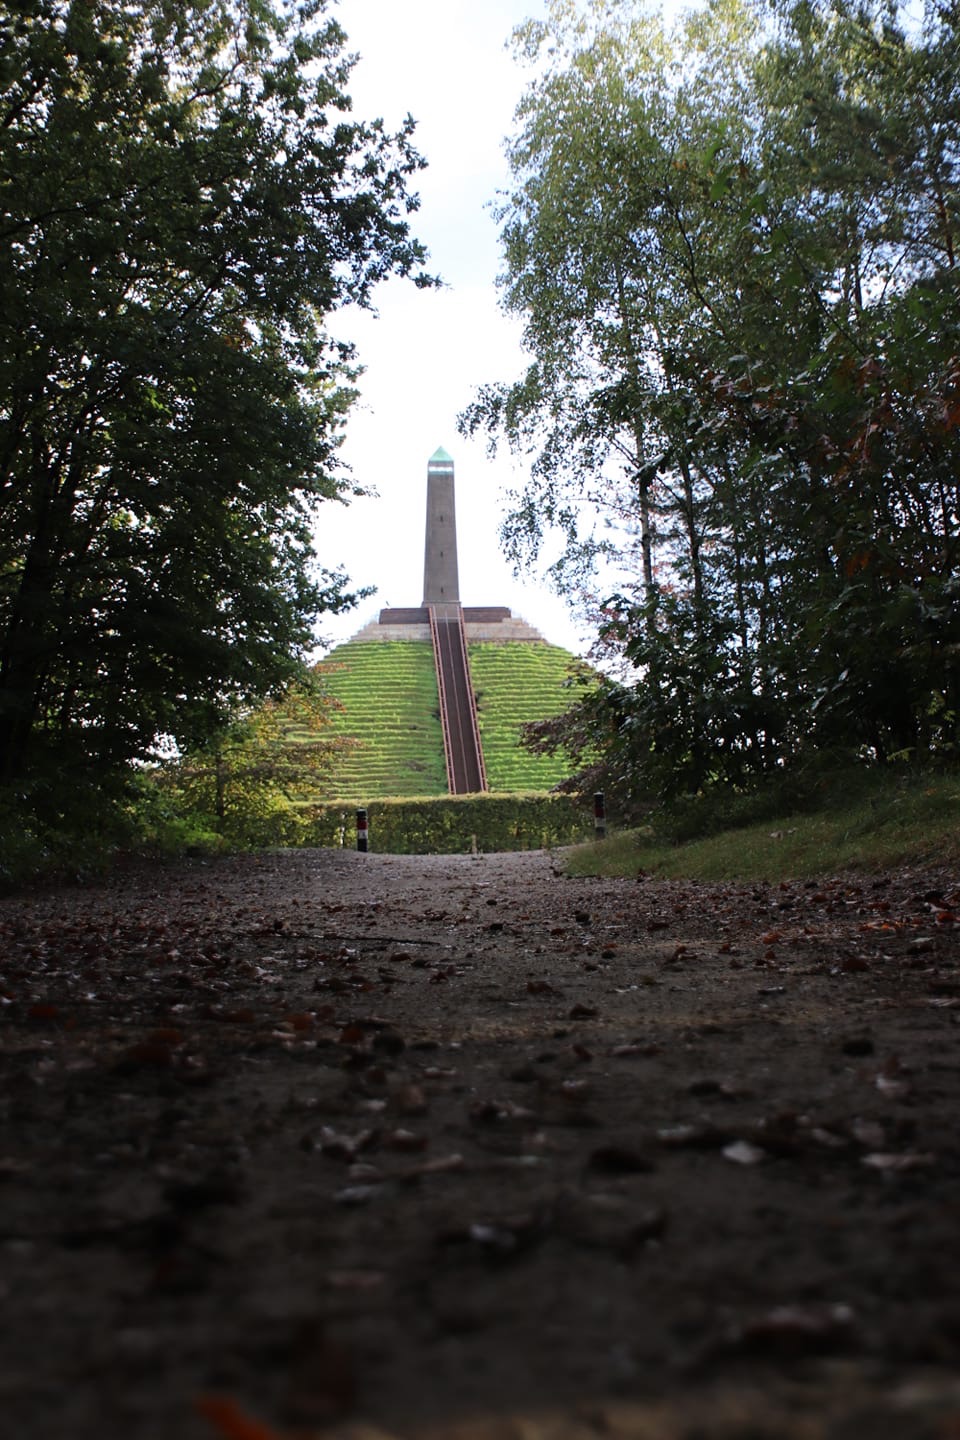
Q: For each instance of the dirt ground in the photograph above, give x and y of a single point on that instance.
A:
(340, 1145)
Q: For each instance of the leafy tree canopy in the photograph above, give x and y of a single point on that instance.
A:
(733, 246)
(185, 200)
(257, 781)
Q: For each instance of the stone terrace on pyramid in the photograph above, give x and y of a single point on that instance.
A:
(513, 657)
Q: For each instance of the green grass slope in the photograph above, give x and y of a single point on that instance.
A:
(516, 683)
(861, 820)
(388, 690)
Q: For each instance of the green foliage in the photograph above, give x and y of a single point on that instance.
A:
(596, 735)
(40, 822)
(246, 787)
(163, 824)
(185, 202)
(733, 247)
(458, 823)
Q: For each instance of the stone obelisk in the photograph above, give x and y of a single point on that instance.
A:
(441, 584)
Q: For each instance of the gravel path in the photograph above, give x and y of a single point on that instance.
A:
(339, 1145)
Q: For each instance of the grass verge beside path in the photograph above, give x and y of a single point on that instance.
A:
(885, 822)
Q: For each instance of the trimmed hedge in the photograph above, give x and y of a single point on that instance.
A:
(453, 824)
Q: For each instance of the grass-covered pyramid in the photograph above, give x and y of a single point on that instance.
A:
(385, 680)
(391, 715)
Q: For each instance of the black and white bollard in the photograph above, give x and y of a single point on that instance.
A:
(599, 816)
(362, 830)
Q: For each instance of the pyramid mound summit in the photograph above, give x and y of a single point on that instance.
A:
(434, 697)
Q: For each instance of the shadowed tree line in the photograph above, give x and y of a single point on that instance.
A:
(185, 201)
(733, 247)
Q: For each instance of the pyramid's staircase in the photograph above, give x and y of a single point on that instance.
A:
(463, 751)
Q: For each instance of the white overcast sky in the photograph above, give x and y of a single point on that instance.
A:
(444, 62)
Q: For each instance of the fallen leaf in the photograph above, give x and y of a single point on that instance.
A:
(484, 1111)
(43, 1012)
(907, 1160)
(363, 1173)
(827, 1138)
(694, 1137)
(741, 1152)
(802, 1328)
(352, 1034)
(440, 1166)
(344, 1147)
(868, 1132)
(148, 1053)
(411, 1100)
(493, 1237)
(500, 1239)
(403, 1140)
(893, 1089)
(231, 1422)
(300, 1021)
(11, 1167)
(166, 1035)
(356, 1279)
(356, 1194)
